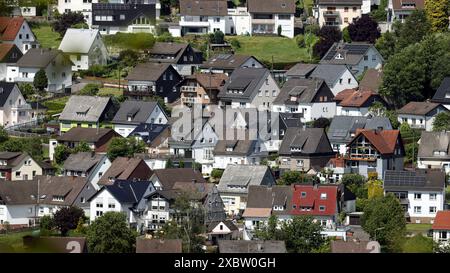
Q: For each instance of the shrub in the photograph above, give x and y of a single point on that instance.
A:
(300, 40)
(314, 28)
(90, 89)
(235, 43)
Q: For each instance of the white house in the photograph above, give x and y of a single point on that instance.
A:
(269, 16)
(441, 228)
(354, 102)
(337, 77)
(399, 10)
(338, 13)
(237, 152)
(238, 21)
(433, 151)
(419, 114)
(202, 17)
(9, 55)
(421, 192)
(13, 107)
(83, 6)
(83, 55)
(15, 30)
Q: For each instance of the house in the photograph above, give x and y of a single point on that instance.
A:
(268, 17)
(132, 113)
(202, 17)
(337, 13)
(337, 77)
(9, 55)
(83, 6)
(153, 79)
(129, 16)
(155, 136)
(310, 97)
(227, 63)
(303, 149)
(420, 114)
(300, 71)
(126, 196)
(375, 151)
(235, 181)
(183, 57)
(238, 21)
(98, 139)
(357, 56)
(442, 94)
(355, 102)
(334, 170)
(237, 152)
(15, 30)
(84, 55)
(20, 207)
(343, 129)
(144, 245)
(201, 88)
(57, 67)
(18, 166)
(355, 246)
(249, 88)
(125, 168)
(222, 230)
(371, 80)
(26, 11)
(421, 192)
(87, 164)
(434, 151)
(86, 112)
(441, 228)
(241, 246)
(399, 10)
(203, 147)
(14, 109)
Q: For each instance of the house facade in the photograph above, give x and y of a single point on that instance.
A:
(202, 17)
(442, 94)
(398, 10)
(201, 88)
(83, 6)
(337, 77)
(18, 166)
(15, 30)
(267, 17)
(420, 115)
(434, 152)
(14, 109)
(9, 55)
(227, 63)
(441, 228)
(353, 102)
(337, 13)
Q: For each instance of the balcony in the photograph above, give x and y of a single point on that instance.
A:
(417, 126)
(330, 13)
(189, 100)
(263, 21)
(187, 88)
(361, 157)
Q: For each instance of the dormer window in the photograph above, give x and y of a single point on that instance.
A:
(447, 95)
(303, 194)
(229, 149)
(323, 196)
(321, 208)
(58, 198)
(293, 98)
(439, 153)
(339, 56)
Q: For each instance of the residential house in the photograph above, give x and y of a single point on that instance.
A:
(22, 203)
(26, 11)
(183, 57)
(18, 166)
(130, 17)
(337, 77)
(201, 88)
(155, 136)
(442, 94)
(357, 56)
(153, 79)
(14, 109)
(421, 192)
(354, 102)
(334, 170)
(375, 151)
(420, 115)
(57, 67)
(86, 112)
(132, 113)
(258, 246)
(87, 164)
(371, 80)
(203, 147)
(303, 149)
(144, 245)
(343, 129)
(235, 181)
(441, 228)
(249, 88)
(337, 13)
(268, 17)
(310, 97)
(202, 17)
(238, 21)
(125, 168)
(237, 152)
(126, 196)
(15, 30)
(434, 151)
(222, 230)
(300, 71)
(9, 55)
(227, 63)
(399, 10)
(83, 6)
(83, 55)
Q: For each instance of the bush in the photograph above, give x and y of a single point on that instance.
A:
(279, 30)
(95, 70)
(235, 43)
(346, 35)
(165, 37)
(315, 28)
(216, 173)
(90, 89)
(300, 40)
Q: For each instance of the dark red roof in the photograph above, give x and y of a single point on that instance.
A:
(384, 141)
(313, 200)
(442, 220)
(9, 27)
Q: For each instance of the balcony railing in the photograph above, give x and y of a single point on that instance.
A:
(330, 13)
(190, 100)
(186, 88)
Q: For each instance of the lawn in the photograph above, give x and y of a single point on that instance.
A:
(418, 228)
(12, 242)
(110, 91)
(56, 106)
(46, 36)
(283, 50)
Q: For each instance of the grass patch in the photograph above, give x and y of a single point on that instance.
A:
(110, 91)
(283, 50)
(56, 106)
(418, 227)
(46, 36)
(12, 242)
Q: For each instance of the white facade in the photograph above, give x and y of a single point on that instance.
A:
(28, 11)
(424, 204)
(352, 111)
(202, 24)
(157, 117)
(15, 110)
(346, 81)
(24, 39)
(98, 172)
(310, 111)
(442, 237)
(337, 15)
(418, 121)
(83, 6)
(238, 21)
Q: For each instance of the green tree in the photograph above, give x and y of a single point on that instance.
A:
(110, 233)
(40, 81)
(67, 218)
(413, 30)
(67, 20)
(81, 147)
(125, 147)
(269, 231)
(437, 12)
(279, 30)
(374, 189)
(291, 177)
(62, 152)
(364, 29)
(441, 122)
(46, 223)
(380, 14)
(12, 145)
(418, 244)
(356, 183)
(384, 220)
(6, 8)
(169, 164)
(302, 234)
(386, 45)
(90, 89)
(216, 173)
(3, 135)
(346, 35)
(27, 90)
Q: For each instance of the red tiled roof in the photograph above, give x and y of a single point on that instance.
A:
(337, 162)
(9, 27)
(5, 49)
(313, 201)
(354, 98)
(442, 220)
(384, 141)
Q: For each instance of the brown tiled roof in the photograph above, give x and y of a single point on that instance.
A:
(384, 140)
(372, 80)
(418, 108)
(397, 4)
(211, 81)
(203, 7)
(337, 162)
(168, 177)
(271, 6)
(147, 71)
(349, 247)
(9, 27)
(442, 220)
(90, 135)
(144, 245)
(257, 212)
(4, 50)
(354, 98)
(122, 168)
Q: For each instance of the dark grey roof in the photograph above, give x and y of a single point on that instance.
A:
(240, 147)
(308, 140)
(134, 111)
(226, 61)
(85, 108)
(241, 246)
(203, 7)
(131, 12)
(426, 180)
(442, 94)
(83, 161)
(149, 131)
(228, 223)
(175, 50)
(301, 70)
(305, 90)
(168, 177)
(244, 82)
(343, 128)
(39, 57)
(351, 53)
(291, 119)
(147, 71)
(271, 6)
(329, 72)
(244, 176)
(434, 145)
(5, 90)
(89, 135)
(127, 191)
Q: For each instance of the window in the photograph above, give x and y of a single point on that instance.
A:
(260, 93)
(284, 17)
(354, 9)
(433, 196)
(99, 213)
(417, 209)
(18, 174)
(432, 209)
(374, 57)
(111, 206)
(217, 19)
(345, 19)
(366, 58)
(83, 200)
(267, 93)
(349, 80)
(20, 36)
(322, 208)
(417, 196)
(274, 93)
(303, 194)
(340, 81)
(99, 205)
(345, 9)
(122, 17)
(323, 196)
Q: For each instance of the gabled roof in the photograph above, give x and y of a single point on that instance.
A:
(135, 111)
(203, 7)
(228, 223)
(419, 108)
(208, 80)
(244, 176)
(331, 73)
(168, 177)
(259, 246)
(126, 191)
(268, 197)
(339, 2)
(321, 200)
(355, 98)
(384, 141)
(149, 131)
(84, 108)
(425, 180)
(343, 128)
(71, 43)
(226, 61)
(271, 6)
(371, 80)
(5, 90)
(306, 141)
(89, 135)
(434, 145)
(40, 57)
(346, 53)
(442, 220)
(442, 94)
(302, 70)
(9, 53)
(13, 159)
(168, 48)
(148, 71)
(245, 80)
(305, 91)
(83, 161)
(144, 245)
(122, 168)
(131, 12)
(398, 4)
(9, 27)
(291, 119)
(338, 246)
(240, 147)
